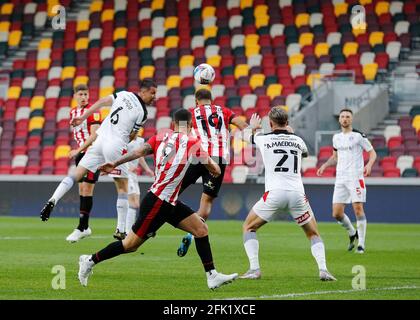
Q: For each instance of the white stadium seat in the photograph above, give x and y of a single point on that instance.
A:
(52, 92)
(19, 161)
(393, 49)
(217, 90)
(276, 29)
(239, 174)
(107, 53)
(163, 123)
(144, 14)
(29, 83)
(405, 162)
(63, 113)
(392, 131)
(23, 113)
(188, 102)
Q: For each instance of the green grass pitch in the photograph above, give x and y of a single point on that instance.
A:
(30, 249)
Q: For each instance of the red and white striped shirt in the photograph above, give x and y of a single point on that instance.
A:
(211, 124)
(82, 131)
(174, 152)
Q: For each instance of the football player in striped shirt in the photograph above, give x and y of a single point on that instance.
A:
(173, 152)
(211, 123)
(81, 134)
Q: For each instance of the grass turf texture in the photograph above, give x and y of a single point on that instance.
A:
(30, 248)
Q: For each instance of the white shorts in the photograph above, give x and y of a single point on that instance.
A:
(133, 184)
(103, 151)
(288, 201)
(349, 191)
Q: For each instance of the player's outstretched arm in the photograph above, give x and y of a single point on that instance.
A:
(213, 167)
(372, 158)
(332, 161)
(104, 102)
(144, 150)
(88, 142)
(254, 125)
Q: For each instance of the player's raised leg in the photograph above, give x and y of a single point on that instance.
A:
(251, 225)
(196, 226)
(65, 185)
(361, 225)
(86, 262)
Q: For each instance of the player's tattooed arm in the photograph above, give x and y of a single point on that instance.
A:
(332, 161)
(144, 150)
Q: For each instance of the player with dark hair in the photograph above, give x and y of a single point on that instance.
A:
(282, 153)
(128, 112)
(173, 152)
(211, 123)
(350, 183)
(81, 135)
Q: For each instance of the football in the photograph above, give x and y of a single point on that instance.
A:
(204, 73)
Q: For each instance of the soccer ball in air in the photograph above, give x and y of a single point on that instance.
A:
(204, 73)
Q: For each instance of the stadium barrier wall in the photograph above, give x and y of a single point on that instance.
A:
(388, 200)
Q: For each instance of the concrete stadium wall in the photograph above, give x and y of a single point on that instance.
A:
(389, 200)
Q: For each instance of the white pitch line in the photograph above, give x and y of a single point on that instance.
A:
(303, 294)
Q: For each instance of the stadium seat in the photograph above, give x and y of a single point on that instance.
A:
(405, 162)
(391, 173)
(239, 174)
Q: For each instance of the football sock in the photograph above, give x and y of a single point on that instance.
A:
(361, 229)
(318, 252)
(251, 245)
(204, 251)
(122, 208)
(131, 218)
(346, 224)
(112, 250)
(86, 204)
(64, 186)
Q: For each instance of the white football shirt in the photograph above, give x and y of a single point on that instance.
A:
(128, 112)
(349, 147)
(282, 155)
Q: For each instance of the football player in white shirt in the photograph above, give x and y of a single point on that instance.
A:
(350, 184)
(284, 192)
(128, 112)
(133, 184)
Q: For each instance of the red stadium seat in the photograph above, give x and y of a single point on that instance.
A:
(391, 173)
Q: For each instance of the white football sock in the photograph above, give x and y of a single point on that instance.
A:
(361, 229)
(346, 224)
(318, 252)
(131, 218)
(122, 209)
(251, 245)
(64, 186)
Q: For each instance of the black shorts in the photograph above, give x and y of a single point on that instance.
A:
(211, 185)
(90, 177)
(154, 212)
